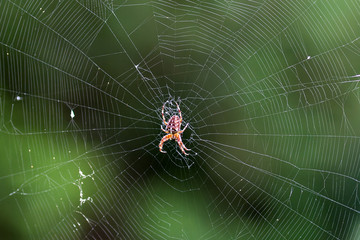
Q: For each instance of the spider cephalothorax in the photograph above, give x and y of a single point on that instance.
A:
(173, 130)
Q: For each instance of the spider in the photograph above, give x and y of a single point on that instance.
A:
(173, 130)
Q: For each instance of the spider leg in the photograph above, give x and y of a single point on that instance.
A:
(178, 108)
(164, 130)
(162, 113)
(183, 129)
(181, 145)
(164, 139)
(187, 149)
(182, 149)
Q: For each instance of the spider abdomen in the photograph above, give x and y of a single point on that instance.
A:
(174, 124)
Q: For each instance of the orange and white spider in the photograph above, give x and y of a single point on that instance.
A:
(173, 130)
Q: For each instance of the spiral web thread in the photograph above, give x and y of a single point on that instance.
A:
(269, 89)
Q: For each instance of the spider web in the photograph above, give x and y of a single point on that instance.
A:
(269, 90)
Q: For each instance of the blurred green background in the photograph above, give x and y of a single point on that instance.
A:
(269, 89)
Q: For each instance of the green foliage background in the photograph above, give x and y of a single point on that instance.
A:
(270, 92)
